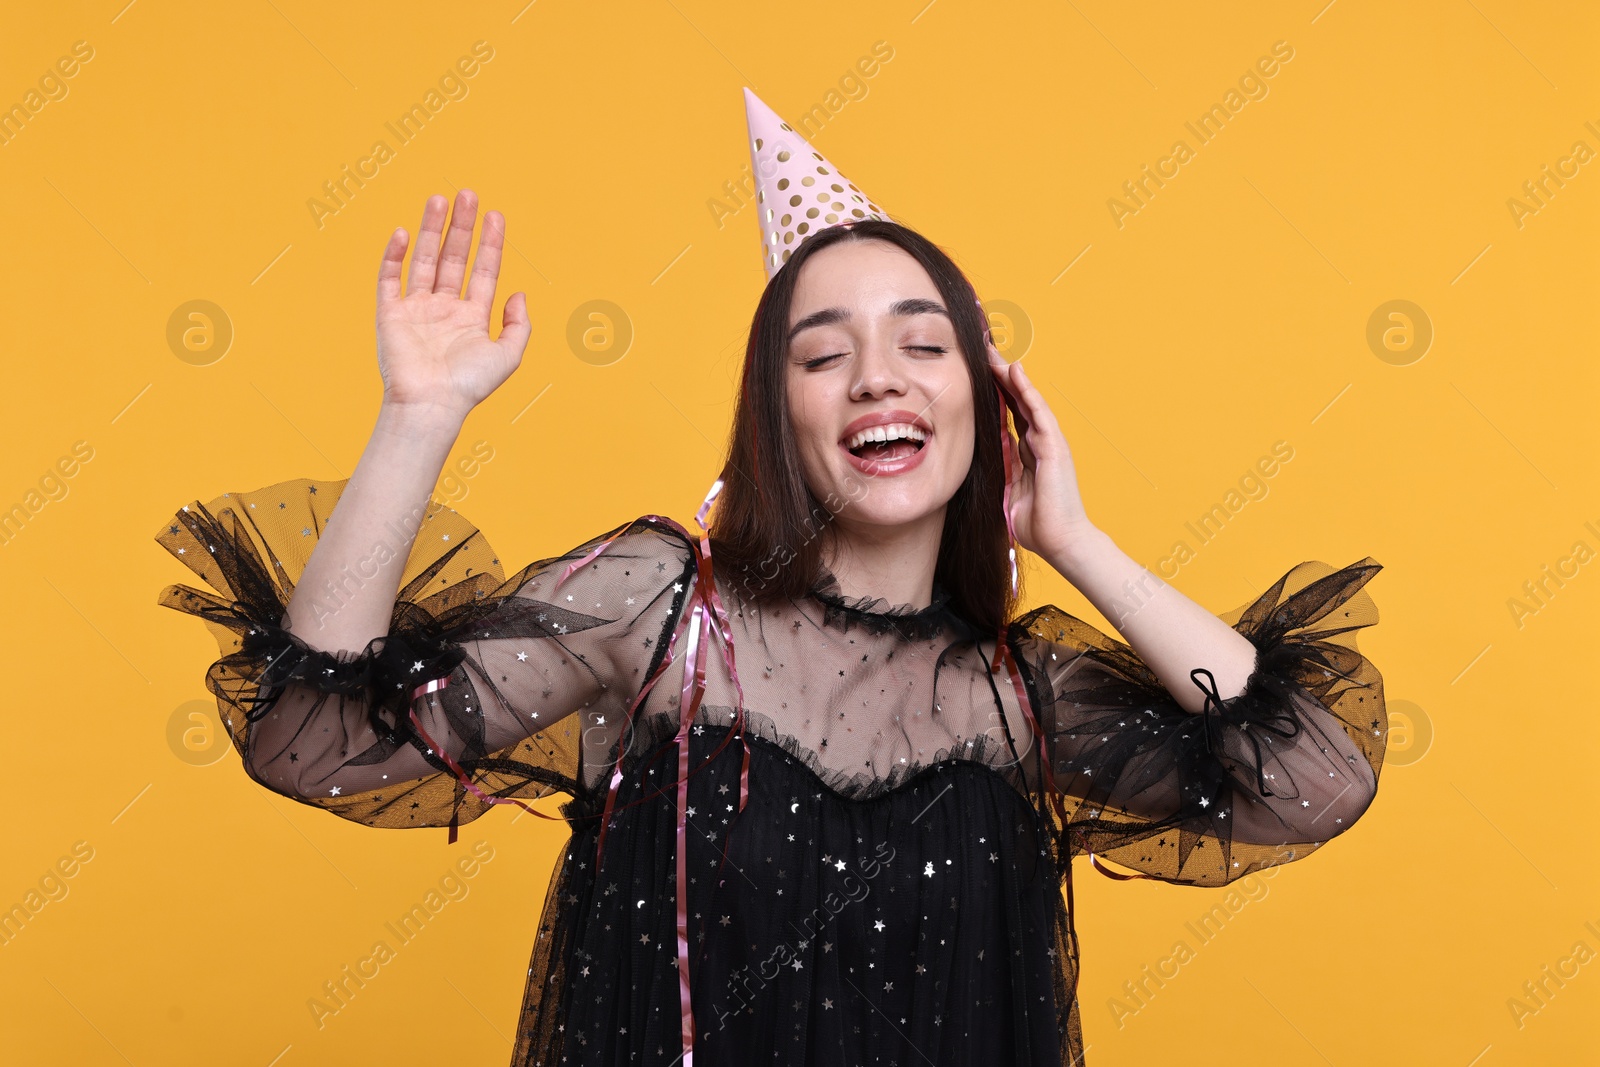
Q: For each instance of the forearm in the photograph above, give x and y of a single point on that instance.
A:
(1169, 632)
(346, 596)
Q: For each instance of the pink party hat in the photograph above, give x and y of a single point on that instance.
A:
(798, 191)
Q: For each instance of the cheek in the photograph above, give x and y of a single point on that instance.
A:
(963, 446)
(808, 401)
(802, 421)
(962, 456)
(816, 402)
(807, 420)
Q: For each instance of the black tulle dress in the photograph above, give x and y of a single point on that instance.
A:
(873, 869)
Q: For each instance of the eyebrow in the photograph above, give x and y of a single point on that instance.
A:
(827, 316)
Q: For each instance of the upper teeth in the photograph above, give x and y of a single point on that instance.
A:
(892, 432)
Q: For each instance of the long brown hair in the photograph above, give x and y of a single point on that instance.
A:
(767, 526)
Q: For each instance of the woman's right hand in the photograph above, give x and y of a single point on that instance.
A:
(434, 349)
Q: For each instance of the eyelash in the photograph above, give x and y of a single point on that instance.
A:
(812, 364)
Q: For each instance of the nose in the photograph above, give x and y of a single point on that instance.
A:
(878, 373)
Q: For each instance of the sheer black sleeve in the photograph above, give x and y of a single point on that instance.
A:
(333, 729)
(1263, 778)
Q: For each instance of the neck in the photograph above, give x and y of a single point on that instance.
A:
(893, 563)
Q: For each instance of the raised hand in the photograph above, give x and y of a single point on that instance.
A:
(434, 348)
(1046, 508)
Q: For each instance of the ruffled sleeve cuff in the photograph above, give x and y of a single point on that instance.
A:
(1263, 778)
(253, 567)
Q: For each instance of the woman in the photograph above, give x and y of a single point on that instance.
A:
(852, 848)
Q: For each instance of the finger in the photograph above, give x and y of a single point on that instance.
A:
(425, 256)
(486, 265)
(1001, 369)
(1014, 382)
(1027, 462)
(515, 327)
(394, 257)
(1024, 450)
(1030, 459)
(457, 244)
(1020, 461)
(1039, 410)
(1019, 411)
(1018, 419)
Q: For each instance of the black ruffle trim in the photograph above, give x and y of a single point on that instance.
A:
(418, 648)
(384, 671)
(878, 616)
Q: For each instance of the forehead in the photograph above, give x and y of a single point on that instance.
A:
(865, 277)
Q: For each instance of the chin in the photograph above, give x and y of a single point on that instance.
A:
(882, 506)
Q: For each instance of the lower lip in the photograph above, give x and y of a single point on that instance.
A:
(882, 468)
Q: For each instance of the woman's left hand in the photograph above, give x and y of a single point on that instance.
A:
(1046, 508)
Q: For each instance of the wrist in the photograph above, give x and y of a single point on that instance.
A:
(420, 421)
(1076, 550)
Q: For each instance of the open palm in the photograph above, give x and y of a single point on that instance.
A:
(434, 348)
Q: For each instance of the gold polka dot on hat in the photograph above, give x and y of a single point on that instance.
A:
(798, 191)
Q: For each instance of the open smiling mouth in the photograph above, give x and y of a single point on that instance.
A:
(886, 450)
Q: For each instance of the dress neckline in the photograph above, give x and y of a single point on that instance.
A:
(985, 755)
(878, 616)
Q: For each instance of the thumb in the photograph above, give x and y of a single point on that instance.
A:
(515, 327)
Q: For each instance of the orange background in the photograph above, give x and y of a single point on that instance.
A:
(1177, 344)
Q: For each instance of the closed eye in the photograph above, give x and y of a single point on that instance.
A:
(812, 364)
